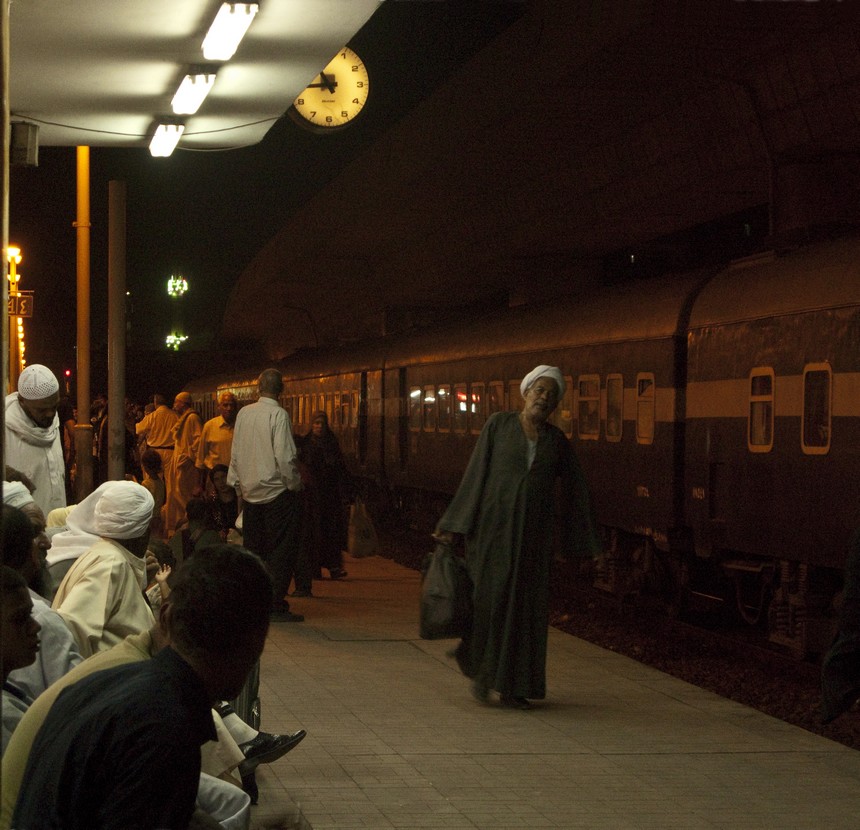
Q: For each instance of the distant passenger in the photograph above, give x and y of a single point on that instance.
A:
(156, 429)
(181, 476)
(34, 435)
(504, 507)
(216, 442)
(263, 468)
(328, 485)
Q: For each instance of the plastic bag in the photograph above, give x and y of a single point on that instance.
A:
(446, 595)
(361, 539)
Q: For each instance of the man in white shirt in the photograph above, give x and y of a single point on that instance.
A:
(263, 469)
(34, 440)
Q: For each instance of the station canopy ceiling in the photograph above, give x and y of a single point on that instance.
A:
(102, 72)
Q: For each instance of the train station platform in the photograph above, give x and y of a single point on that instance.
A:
(396, 741)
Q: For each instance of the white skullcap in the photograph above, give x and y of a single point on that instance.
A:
(543, 371)
(37, 382)
(15, 494)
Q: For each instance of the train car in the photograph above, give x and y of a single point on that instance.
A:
(716, 415)
(773, 433)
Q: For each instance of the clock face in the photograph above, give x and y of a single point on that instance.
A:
(337, 94)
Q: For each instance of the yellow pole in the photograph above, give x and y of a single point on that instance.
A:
(13, 255)
(83, 429)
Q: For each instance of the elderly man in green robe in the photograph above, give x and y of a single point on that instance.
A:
(505, 509)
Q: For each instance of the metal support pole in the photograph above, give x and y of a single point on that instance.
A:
(83, 429)
(116, 330)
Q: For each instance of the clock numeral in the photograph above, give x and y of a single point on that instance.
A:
(360, 84)
(355, 101)
(300, 102)
(329, 119)
(355, 68)
(344, 114)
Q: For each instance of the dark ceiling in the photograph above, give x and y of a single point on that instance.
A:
(584, 136)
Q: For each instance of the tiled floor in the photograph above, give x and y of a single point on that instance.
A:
(395, 740)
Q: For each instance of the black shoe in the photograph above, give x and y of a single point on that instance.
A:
(285, 616)
(337, 573)
(301, 592)
(249, 785)
(266, 748)
(480, 691)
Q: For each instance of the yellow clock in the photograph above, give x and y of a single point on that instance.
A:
(337, 95)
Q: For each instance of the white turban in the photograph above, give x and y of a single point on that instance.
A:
(37, 382)
(115, 510)
(15, 494)
(544, 372)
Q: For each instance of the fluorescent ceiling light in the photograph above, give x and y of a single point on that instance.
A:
(191, 92)
(227, 30)
(165, 139)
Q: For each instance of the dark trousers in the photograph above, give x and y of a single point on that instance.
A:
(273, 532)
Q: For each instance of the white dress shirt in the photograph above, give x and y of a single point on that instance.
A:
(263, 457)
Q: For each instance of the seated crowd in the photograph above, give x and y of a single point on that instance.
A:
(122, 654)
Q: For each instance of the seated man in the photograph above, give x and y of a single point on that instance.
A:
(101, 597)
(121, 747)
(18, 646)
(58, 650)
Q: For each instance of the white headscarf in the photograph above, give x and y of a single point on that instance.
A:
(15, 494)
(115, 510)
(544, 371)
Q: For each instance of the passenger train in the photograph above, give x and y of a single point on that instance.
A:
(716, 415)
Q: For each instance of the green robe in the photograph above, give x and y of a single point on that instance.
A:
(506, 511)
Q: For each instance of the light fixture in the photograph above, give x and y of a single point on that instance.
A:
(165, 139)
(227, 30)
(175, 340)
(193, 89)
(177, 286)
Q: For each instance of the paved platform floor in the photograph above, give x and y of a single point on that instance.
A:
(396, 741)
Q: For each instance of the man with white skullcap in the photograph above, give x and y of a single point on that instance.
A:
(101, 597)
(34, 439)
(505, 507)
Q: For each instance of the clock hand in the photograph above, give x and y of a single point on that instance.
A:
(329, 86)
(328, 81)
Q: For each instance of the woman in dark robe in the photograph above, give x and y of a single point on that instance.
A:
(327, 484)
(505, 509)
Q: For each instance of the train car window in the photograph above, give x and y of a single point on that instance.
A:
(760, 425)
(645, 408)
(477, 415)
(443, 408)
(461, 408)
(588, 407)
(344, 408)
(354, 409)
(563, 415)
(614, 407)
(817, 386)
(335, 411)
(429, 409)
(515, 399)
(495, 397)
(329, 406)
(414, 408)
